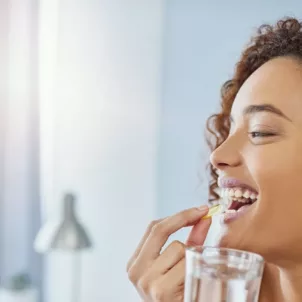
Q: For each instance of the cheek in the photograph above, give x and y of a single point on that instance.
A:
(276, 167)
(277, 171)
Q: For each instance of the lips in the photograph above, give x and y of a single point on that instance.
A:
(226, 182)
(238, 197)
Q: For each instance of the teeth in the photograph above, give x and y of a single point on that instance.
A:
(238, 193)
(253, 196)
(230, 211)
(246, 194)
(243, 200)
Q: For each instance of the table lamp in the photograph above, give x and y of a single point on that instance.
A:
(68, 235)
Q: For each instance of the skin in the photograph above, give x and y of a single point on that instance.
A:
(271, 162)
(263, 150)
(159, 276)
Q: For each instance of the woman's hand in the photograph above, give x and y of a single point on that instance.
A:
(159, 275)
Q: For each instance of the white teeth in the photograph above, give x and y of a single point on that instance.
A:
(238, 193)
(242, 200)
(230, 211)
(246, 194)
(253, 196)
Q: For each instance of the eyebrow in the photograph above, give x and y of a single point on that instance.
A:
(253, 109)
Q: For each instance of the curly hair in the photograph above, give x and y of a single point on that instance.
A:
(284, 39)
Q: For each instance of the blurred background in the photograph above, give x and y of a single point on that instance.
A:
(107, 99)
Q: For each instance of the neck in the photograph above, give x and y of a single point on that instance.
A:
(281, 285)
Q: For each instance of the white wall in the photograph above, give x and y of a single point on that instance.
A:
(19, 139)
(100, 109)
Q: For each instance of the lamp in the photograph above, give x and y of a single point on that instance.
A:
(69, 235)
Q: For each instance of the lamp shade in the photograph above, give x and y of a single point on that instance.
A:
(68, 235)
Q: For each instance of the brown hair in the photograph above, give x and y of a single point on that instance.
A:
(271, 41)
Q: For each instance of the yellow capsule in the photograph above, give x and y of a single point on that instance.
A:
(213, 211)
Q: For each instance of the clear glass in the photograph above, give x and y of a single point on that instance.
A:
(222, 275)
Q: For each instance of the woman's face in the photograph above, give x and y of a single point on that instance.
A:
(264, 151)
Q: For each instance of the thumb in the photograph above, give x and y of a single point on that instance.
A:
(199, 232)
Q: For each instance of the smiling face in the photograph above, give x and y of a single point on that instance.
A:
(264, 151)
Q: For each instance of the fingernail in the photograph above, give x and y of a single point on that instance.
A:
(202, 208)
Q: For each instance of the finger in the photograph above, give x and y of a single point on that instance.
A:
(170, 287)
(170, 257)
(176, 275)
(161, 231)
(167, 260)
(141, 243)
(199, 232)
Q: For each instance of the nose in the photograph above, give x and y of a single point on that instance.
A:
(227, 154)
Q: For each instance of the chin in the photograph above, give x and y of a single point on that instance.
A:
(252, 239)
(241, 235)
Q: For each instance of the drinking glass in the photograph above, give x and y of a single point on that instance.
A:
(222, 275)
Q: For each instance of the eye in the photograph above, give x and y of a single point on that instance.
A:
(259, 134)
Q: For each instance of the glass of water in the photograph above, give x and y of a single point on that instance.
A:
(222, 275)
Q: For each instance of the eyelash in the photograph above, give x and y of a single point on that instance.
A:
(259, 134)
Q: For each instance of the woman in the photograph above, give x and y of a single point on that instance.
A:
(257, 152)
